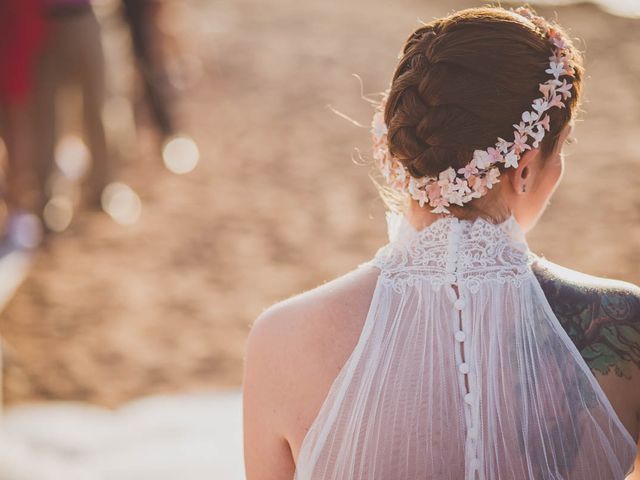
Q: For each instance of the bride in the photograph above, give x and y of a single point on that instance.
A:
(455, 352)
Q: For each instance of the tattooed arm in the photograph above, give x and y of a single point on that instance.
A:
(601, 316)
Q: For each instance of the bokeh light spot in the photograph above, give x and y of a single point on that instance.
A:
(72, 157)
(180, 154)
(58, 213)
(121, 203)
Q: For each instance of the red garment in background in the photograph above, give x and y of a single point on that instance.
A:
(22, 33)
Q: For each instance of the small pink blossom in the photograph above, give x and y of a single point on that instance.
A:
(540, 105)
(564, 89)
(492, 177)
(440, 205)
(479, 187)
(378, 127)
(433, 190)
(457, 191)
(502, 145)
(482, 159)
(511, 159)
(523, 129)
(469, 169)
(555, 68)
(446, 176)
(422, 197)
(529, 117)
(557, 39)
(495, 155)
(520, 142)
(546, 88)
(544, 122)
(538, 135)
(556, 101)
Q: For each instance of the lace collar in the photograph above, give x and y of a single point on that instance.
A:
(451, 250)
(399, 227)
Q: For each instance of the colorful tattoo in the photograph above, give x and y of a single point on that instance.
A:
(601, 316)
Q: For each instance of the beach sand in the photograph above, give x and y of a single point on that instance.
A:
(277, 206)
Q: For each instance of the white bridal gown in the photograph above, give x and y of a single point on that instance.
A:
(463, 371)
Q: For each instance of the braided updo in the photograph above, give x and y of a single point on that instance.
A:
(463, 81)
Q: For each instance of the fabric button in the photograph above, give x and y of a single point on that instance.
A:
(460, 336)
(459, 303)
(451, 278)
(468, 398)
(472, 433)
(474, 464)
(464, 368)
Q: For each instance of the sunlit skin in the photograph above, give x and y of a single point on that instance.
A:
(297, 346)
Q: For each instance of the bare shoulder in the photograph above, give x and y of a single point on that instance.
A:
(297, 346)
(303, 322)
(601, 315)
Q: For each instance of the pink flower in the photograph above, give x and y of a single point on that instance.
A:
(511, 159)
(523, 129)
(538, 135)
(492, 177)
(556, 39)
(555, 68)
(482, 159)
(556, 101)
(378, 127)
(495, 155)
(479, 188)
(502, 145)
(446, 176)
(469, 169)
(546, 88)
(440, 204)
(544, 122)
(569, 70)
(520, 142)
(529, 117)
(433, 190)
(422, 197)
(540, 105)
(564, 89)
(457, 191)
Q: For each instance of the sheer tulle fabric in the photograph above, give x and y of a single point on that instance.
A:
(462, 371)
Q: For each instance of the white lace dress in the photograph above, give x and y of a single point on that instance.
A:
(463, 371)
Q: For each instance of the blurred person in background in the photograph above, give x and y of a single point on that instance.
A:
(73, 55)
(142, 16)
(22, 34)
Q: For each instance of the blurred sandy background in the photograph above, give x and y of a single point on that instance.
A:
(276, 205)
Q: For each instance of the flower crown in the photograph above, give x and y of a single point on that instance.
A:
(481, 173)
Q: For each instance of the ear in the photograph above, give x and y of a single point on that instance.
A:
(523, 175)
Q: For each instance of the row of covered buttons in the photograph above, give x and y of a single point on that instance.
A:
(460, 336)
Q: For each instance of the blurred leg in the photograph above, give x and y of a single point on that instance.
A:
(44, 118)
(92, 80)
(141, 15)
(21, 185)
